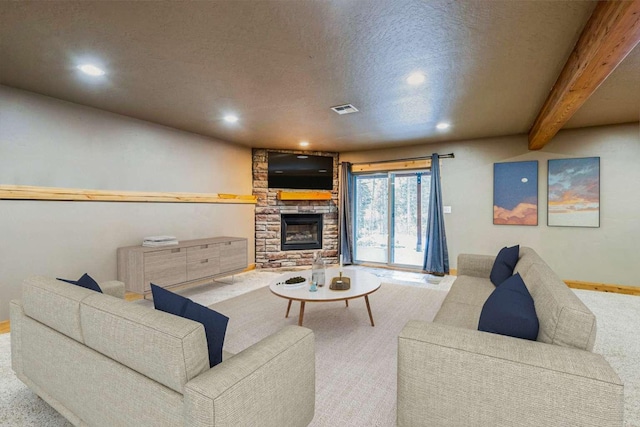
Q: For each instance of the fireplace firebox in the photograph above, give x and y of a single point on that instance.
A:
(300, 231)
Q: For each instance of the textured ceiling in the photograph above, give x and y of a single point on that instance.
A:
(280, 65)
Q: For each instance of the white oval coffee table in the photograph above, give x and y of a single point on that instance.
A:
(362, 284)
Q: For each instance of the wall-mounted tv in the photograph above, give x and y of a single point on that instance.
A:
(300, 171)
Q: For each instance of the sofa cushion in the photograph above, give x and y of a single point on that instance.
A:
(114, 288)
(504, 264)
(510, 311)
(55, 304)
(85, 281)
(215, 324)
(528, 257)
(459, 314)
(470, 290)
(564, 319)
(168, 349)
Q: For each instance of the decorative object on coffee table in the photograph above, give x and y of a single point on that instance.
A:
(294, 280)
(318, 270)
(340, 283)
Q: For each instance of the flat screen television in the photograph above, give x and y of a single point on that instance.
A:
(300, 171)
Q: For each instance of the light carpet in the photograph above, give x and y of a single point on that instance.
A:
(618, 318)
(355, 362)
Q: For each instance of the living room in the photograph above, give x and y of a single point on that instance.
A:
(49, 138)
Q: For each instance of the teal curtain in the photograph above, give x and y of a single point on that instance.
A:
(436, 256)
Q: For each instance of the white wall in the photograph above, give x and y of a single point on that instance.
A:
(609, 254)
(48, 142)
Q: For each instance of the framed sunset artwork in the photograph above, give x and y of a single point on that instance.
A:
(515, 193)
(574, 192)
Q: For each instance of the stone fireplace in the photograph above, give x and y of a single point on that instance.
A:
(290, 232)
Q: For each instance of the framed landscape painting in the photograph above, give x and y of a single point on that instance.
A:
(574, 192)
(515, 193)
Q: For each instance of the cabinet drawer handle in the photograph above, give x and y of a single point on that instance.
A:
(204, 261)
(175, 251)
(204, 246)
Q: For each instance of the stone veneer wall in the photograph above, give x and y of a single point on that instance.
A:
(269, 208)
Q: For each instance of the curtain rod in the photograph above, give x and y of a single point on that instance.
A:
(440, 156)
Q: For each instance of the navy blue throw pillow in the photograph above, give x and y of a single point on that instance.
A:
(85, 281)
(504, 264)
(215, 324)
(510, 311)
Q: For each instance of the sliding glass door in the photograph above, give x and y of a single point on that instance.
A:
(409, 219)
(390, 217)
(372, 219)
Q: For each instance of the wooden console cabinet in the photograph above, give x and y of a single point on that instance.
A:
(166, 266)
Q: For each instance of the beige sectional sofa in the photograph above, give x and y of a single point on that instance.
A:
(451, 374)
(103, 361)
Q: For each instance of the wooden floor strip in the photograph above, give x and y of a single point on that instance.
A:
(4, 327)
(132, 296)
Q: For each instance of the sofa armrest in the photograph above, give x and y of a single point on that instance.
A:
(113, 288)
(450, 376)
(271, 383)
(475, 265)
(17, 316)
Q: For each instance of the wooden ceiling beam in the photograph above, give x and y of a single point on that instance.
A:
(613, 30)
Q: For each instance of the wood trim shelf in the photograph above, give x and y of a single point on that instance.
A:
(26, 192)
(304, 195)
(604, 287)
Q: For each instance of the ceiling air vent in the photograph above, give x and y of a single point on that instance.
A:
(344, 109)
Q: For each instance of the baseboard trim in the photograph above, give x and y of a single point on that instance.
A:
(452, 271)
(603, 287)
(132, 296)
(5, 327)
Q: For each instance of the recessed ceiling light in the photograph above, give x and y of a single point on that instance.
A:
(304, 143)
(443, 126)
(230, 118)
(91, 70)
(303, 157)
(416, 78)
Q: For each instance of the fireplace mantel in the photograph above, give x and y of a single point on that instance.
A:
(304, 195)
